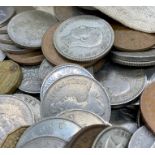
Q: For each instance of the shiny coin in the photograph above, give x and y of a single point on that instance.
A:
(27, 28)
(76, 92)
(10, 77)
(2, 55)
(4, 38)
(142, 138)
(57, 127)
(123, 85)
(3, 30)
(84, 38)
(31, 82)
(112, 137)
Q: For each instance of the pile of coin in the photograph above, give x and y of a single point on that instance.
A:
(67, 80)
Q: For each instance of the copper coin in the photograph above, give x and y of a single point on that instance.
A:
(85, 137)
(52, 55)
(10, 76)
(147, 106)
(31, 58)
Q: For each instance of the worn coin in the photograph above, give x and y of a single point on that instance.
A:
(112, 137)
(4, 38)
(57, 127)
(2, 55)
(142, 138)
(27, 28)
(3, 30)
(83, 38)
(76, 92)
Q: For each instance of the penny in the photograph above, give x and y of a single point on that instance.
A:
(122, 84)
(85, 137)
(59, 72)
(57, 127)
(142, 138)
(3, 30)
(10, 77)
(2, 55)
(84, 38)
(76, 92)
(12, 138)
(4, 38)
(51, 53)
(147, 106)
(112, 137)
(31, 82)
(45, 142)
(30, 58)
(27, 28)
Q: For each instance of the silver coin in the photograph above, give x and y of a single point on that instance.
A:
(27, 28)
(4, 38)
(59, 72)
(142, 138)
(31, 82)
(32, 102)
(84, 38)
(3, 30)
(2, 55)
(44, 69)
(112, 137)
(82, 117)
(76, 92)
(13, 114)
(57, 127)
(123, 85)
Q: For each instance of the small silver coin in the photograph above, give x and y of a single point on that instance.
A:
(57, 127)
(45, 142)
(27, 28)
(122, 84)
(59, 72)
(2, 55)
(31, 82)
(84, 38)
(142, 138)
(112, 137)
(76, 92)
(4, 38)
(3, 30)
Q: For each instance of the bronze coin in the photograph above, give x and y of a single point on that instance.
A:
(52, 55)
(147, 106)
(85, 137)
(10, 76)
(31, 58)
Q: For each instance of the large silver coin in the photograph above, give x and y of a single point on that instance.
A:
(45, 142)
(112, 137)
(59, 72)
(13, 114)
(32, 102)
(31, 82)
(123, 85)
(27, 28)
(142, 138)
(84, 38)
(57, 127)
(82, 117)
(2, 55)
(76, 92)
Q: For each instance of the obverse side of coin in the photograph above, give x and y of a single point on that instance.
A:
(83, 38)
(2, 55)
(112, 137)
(4, 38)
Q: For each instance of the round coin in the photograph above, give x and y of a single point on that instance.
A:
(2, 55)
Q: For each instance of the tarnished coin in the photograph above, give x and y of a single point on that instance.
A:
(45, 142)
(82, 117)
(31, 82)
(12, 139)
(32, 102)
(76, 92)
(59, 72)
(147, 106)
(4, 38)
(10, 76)
(57, 127)
(85, 137)
(122, 84)
(142, 138)
(112, 137)
(3, 30)
(27, 28)
(2, 55)
(83, 38)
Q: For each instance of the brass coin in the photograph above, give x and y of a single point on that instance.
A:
(10, 76)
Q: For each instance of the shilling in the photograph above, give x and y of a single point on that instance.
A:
(2, 55)
(76, 92)
(84, 38)
(57, 127)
